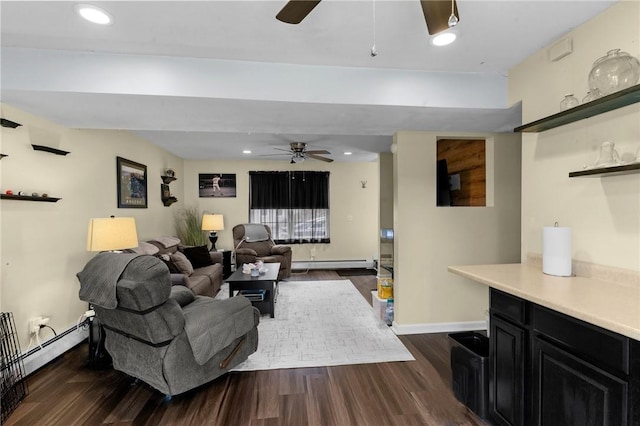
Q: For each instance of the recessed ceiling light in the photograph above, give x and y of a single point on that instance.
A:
(444, 38)
(246, 151)
(348, 153)
(94, 14)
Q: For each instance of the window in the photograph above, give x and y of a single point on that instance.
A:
(295, 205)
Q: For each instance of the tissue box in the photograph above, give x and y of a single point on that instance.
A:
(379, 305)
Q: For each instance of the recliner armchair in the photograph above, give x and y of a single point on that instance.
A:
(253, 242)
(161, 334)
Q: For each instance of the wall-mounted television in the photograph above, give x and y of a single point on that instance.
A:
(386, 235)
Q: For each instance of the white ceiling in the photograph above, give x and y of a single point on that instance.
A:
(206, 79)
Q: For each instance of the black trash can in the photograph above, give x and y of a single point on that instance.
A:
(470, 370)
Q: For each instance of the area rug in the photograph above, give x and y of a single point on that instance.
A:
(322, 323)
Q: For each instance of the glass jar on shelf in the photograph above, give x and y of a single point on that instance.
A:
(569, 102)
(613, 72)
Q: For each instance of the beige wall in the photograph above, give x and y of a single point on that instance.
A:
(44, 244)
(428, 238)
(604, 212)
(354, 210)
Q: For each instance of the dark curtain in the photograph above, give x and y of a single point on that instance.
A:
(294, 204)
(269, 190)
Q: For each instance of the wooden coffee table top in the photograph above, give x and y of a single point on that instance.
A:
(270, 275)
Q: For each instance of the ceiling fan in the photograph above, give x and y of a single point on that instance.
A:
(299, 153)
(438, 14)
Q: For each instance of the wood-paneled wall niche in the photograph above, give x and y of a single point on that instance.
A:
(467, 159)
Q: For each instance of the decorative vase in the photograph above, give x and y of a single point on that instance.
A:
(568, 102)
(589, 97)
(615, 71)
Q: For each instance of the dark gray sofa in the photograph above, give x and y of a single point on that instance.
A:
(163, 334)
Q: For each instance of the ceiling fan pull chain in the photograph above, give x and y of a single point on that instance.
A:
(374, 51)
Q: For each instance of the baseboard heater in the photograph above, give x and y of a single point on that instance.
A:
(51, 349)
(331, 264)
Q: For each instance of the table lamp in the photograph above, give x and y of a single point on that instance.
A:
(112, 234)
(212, 223)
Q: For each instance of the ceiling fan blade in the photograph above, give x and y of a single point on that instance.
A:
(436, 14)
(271, 155)
(317, 157)
(322, 151)
(296, 10)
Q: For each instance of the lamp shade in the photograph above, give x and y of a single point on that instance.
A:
(112, 233)
(212, 222)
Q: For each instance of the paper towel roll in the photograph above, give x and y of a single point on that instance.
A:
(556, 251)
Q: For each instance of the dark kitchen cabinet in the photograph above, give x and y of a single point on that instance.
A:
(548, 368)
(572, 392)
(507, 355)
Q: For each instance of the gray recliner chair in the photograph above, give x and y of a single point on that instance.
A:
(163, 334)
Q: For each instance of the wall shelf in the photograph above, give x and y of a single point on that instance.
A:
(49, 149)
(8, 123)
(2, 156)
(608, 171)
(29, 198)
(599, 106)
(165, 191)
(168, 201)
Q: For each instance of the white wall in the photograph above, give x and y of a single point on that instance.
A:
(44, 244)
(354, 210)
(428, 238)
(604, 212)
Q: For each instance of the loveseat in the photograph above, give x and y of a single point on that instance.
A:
(161, 333)
(193, 267)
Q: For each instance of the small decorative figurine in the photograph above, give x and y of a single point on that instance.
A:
(8, 192)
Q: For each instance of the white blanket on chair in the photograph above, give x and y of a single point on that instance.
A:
(255, 232)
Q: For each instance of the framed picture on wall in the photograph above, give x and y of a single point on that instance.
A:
(132, 184)
(217, 184)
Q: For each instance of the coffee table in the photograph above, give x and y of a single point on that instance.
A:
(267, 281)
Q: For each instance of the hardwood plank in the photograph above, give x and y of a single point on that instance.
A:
(418, 392)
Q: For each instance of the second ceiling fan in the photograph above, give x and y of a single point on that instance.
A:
(438, 14)
(298, 152)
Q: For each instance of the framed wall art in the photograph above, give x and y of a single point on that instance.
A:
(132, 184)
(217, 184)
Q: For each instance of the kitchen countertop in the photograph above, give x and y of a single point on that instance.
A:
(612, 306)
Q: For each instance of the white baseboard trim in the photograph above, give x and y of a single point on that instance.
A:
(53, 348)
(441, 327)
(331, 264)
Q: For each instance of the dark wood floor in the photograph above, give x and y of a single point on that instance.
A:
(418, 392)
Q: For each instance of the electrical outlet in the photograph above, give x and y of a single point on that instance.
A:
(36, 323)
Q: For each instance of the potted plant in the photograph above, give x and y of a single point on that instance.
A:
(188, 223)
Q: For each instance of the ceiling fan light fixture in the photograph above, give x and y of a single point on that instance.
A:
(444, 38)
(297, 159)
(94, 14)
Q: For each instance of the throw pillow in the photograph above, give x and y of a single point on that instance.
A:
(182, 263)
(167, 261)
(198, 256)
(146, 248)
